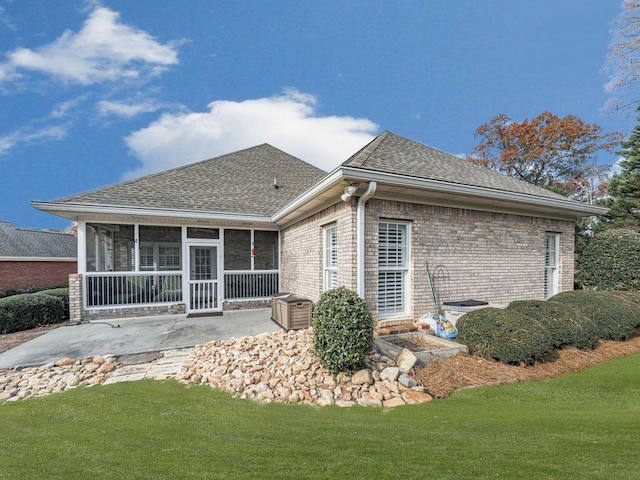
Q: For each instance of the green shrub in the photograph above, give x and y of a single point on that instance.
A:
(504, 335)
(22, 312)
(616, 314)
(63, 294)
(611, 261)
(9, 292)
(566, 324)
(342, 331)
(2, 294)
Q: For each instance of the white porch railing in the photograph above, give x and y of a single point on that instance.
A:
(243, 285)
(104, 289)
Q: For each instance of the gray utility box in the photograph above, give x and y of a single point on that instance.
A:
(454, 310)
(291, 312)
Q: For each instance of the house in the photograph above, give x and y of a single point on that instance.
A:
(35, 258)
(231, 231)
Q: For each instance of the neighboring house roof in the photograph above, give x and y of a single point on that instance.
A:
(392, 153)
(35, 244)
(237, 183)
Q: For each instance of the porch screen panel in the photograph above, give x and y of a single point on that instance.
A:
(160, 248)
(109, 247)
(392, 268)
(265, 244)
(237, 249)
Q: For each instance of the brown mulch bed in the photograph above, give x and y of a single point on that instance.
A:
(11, 340)
(443, 377)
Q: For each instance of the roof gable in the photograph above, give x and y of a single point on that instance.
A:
(391, 153)
(237, 183)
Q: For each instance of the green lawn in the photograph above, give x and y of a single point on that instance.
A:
(584, 425)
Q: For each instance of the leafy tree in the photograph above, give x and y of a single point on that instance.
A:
(547, 151)
(624, 188)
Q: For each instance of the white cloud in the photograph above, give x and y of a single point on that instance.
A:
(26, 136)
(103, 50)
(126, 109)
(615, 168)
(6, 20)
(288, 121)
(64, 109)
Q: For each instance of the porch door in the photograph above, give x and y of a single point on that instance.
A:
(204, 275)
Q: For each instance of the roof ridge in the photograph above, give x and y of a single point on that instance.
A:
(38, 230)
(372, 146)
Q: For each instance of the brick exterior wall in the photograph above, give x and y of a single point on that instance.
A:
(23, 275)
(487, 256)
(302, 251)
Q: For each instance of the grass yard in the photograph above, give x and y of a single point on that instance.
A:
(584, 425)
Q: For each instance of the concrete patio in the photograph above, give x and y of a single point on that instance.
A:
(136, 335)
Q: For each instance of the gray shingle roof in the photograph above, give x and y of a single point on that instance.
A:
(239, 182)
(391, 153)
(27, 242)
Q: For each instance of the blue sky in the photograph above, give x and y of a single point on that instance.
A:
(92, 93)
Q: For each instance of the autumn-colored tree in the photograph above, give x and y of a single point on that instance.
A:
(623, 59)
(548, 151)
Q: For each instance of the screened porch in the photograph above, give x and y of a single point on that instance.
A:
(145, 265)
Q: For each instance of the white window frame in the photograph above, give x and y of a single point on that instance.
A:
(403, 268)
(551, 264)
(156, 256)
(329, 257)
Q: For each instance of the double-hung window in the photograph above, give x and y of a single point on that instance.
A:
(330, 258)
(393, 268)
(551, 260)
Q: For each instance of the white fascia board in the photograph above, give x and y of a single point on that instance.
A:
(38, 259)
(327, 182)
(447, 187)
(87, 209)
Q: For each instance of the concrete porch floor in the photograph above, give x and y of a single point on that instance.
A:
(136, 335)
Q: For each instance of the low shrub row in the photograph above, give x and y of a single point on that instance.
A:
(528, 330)
(9, 292)
(30, 310)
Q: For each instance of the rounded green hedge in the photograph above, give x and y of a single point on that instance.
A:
(342, 331)
(616, 314)
(63, 294)
(504, 335)
(566, 324)
(22, 312)
(611, 261)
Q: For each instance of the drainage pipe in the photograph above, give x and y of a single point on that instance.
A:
(360, 214)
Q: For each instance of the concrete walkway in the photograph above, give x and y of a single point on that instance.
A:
(135, 336)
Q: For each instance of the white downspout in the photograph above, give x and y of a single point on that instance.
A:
(360, 236)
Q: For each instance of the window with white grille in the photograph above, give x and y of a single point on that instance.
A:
(551, 260)
(160, 257)
(330, 258)
(393, 268)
